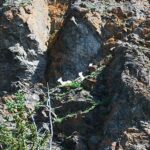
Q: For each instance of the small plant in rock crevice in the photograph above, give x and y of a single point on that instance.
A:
(60, 120)
(94, 104)
(17, 132)
(74, 84)
(97, 72)
(16, 105)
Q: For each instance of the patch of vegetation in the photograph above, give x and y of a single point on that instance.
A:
(94, 104)
(97, 72)
(16, 105)
(72, 115)
(74, 84)
(62, 119)
(17, 132)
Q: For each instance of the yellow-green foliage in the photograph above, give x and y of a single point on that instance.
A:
(17, 132)
(74, 84)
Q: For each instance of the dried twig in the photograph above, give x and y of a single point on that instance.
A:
(50, 118)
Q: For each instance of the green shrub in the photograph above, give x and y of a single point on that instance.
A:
(17, 132)
(17, 104)
(74, 84)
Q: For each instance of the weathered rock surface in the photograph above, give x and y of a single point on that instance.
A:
(24, 33)
(110, 108)
(130, 98)
(120, 39)
(87, 26)
(78, 41)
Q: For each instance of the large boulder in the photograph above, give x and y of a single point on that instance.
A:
(78, 44)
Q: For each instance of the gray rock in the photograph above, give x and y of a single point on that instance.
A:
(23, 38)
(77, 46)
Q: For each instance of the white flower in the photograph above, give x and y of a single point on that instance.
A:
(81, 75)
(90, 65)
(63, 82)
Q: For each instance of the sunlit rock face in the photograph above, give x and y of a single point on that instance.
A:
(24, 32)
(78, 45)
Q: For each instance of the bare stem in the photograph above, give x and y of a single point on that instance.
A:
(50, 118)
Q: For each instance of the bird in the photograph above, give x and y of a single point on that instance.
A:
(63, 82)
(81, 75)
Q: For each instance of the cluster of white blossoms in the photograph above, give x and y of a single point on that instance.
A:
(81, 76)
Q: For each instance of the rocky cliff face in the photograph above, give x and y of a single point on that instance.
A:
(110, 108)
(24, 33)
(88, 26)
(129, 117)
(116, 35)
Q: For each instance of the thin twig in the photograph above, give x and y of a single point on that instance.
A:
(50, 118)
(32, 117)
